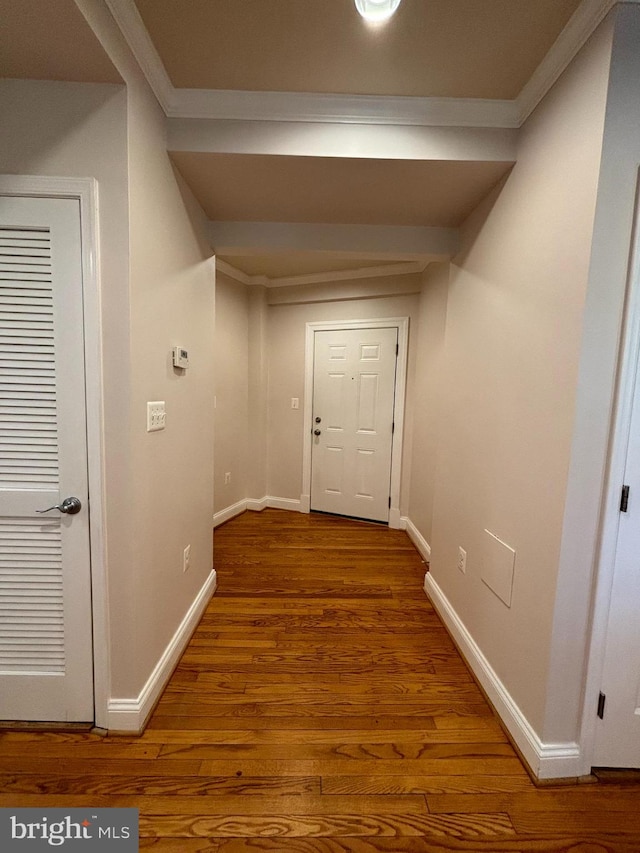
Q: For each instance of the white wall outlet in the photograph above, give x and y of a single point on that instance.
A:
(462, 560)
(295, 402)
(156, 416)
(227, 478)
(186, 558)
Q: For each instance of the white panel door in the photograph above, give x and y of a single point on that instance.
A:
(618, 732)
(45, 593)
(354, 374)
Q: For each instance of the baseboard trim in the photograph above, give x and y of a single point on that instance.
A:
(284, 503)
(424, 549)
(545, 760)
(257, 505)
(131, 715)
(229, 512)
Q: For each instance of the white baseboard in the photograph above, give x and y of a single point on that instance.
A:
(546, 760)
(229, 512)
(418, 539)
(284, 503)
(130, 715)
(257, 505)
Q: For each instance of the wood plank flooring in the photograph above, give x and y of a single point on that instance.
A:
(320, 707)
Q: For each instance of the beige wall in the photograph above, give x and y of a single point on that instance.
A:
(286, 355)
(258, 393)
(172, 303)
(510, 368)
(232, 340)
(427, 426)
(171, 286)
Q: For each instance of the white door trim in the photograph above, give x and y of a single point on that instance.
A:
(610, 523)
(86, 191)
(402, 325)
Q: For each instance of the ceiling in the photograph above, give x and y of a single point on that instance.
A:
(51, 41)
(485, 49)
(261, 188)
(447, 49)
(430, 48)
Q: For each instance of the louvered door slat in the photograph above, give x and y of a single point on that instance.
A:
(31, 582)
(30, 557)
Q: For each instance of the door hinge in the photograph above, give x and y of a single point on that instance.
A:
(624, 499)
(393, 427)
(397, 349)
(601, 700)
(389, 501)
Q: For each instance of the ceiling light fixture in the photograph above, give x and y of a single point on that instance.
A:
(377, 10)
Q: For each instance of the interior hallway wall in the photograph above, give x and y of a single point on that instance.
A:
(169, 503)
(427, 425)
(512, 347)
(231, 425)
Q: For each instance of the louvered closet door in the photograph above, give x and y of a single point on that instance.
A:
(45, 594)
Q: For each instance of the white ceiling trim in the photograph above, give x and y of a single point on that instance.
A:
(351, 109)
(127, 17)
(343, 109)
(404, 268)
(583, 22)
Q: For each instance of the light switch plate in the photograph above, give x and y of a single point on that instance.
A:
(156, 416)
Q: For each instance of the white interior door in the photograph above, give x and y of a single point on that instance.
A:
(45, 591)
(354, 374)
(618, 731)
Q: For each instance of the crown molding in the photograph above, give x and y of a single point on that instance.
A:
(239, 275)
(233, 105)
(357, 109)
(127, 17)
(404, 268)
(583, 22)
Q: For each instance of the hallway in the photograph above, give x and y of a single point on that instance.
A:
(320, 701)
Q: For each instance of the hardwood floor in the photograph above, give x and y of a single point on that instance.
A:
(320, 706)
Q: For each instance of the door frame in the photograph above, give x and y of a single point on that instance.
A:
(402, 325)
(628, 367)
(85, 190)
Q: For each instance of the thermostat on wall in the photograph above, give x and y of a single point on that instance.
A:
(180, 357)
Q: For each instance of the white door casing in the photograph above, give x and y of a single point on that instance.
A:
(353, 403)
(45, 594)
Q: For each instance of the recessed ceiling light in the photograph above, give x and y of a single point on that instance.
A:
(377, 10)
